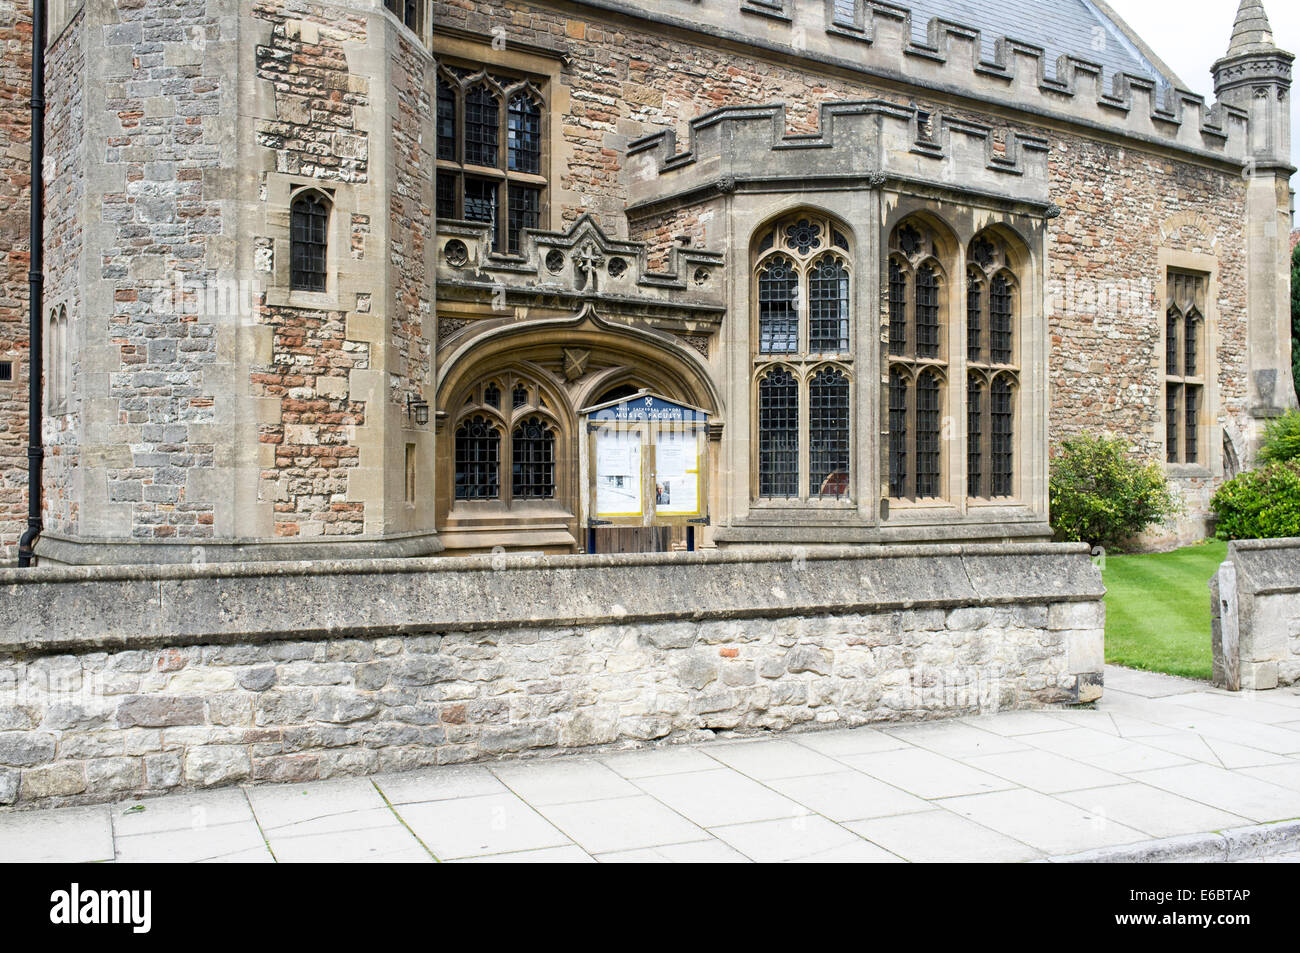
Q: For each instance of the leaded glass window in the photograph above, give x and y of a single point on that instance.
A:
(1186, 353)
(524, 132)
(494, 121)
(928, 436)
(803, 281)
(927, 312)
(446, 121)
(533, 460)
(778, 435)
(898, 414)
(1000, 333)
(828, 436)
(994, 375)
(778, 316)
(829, 300)
(975, 437)
(478, 460)
(482, 126)
(897, 309)
(525, 212)
(309, 243)
(1002, 412)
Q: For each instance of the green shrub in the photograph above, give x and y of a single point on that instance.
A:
(1261, 504)
(1102, 494)
(1282, 439)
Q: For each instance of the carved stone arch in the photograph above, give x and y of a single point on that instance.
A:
(1013, 248)
(680, 368)
(943, 239)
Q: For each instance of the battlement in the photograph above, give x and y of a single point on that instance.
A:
(870, 141)
(1104, 88)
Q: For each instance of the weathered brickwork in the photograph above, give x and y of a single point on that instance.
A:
(315, 131)
(98, 726)
(15, 144)
(318, 417)
(65, 190)
(410, 217)
(168, 109)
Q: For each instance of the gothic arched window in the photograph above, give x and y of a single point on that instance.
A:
(514, 405)
(993, 372)
(918, 348)
(803, 289)
(309, 242)
(1185, 377)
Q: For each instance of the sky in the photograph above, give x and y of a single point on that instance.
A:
(1189, 35)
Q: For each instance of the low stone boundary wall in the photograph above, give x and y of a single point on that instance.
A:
(1256, 608)
(121, 680)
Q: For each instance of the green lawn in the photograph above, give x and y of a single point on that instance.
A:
(1158, 609)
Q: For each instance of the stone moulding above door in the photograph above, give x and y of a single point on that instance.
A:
(562, 270)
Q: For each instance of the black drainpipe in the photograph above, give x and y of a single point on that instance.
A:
(36, 289)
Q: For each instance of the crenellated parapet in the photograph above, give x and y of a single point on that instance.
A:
(1116, 87)
(865, 143)
(579, 265)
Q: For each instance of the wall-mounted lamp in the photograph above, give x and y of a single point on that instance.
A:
(418, 408)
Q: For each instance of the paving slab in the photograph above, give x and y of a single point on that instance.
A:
(711, 851)
(655, 762)
(563, 781)
(1048, 824)
(622, 824)
(718, 797)
(808, 839)
(844, 741)
(940, 836)
(926, 774)
(1043, 771)
(1155, 812)
(1235, 792)
(480, 826)
(439, 784)
(62, 836)
(849, 795)
(767, 760)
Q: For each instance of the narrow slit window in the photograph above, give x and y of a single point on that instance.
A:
(1192, 420)
(1171, 343)
(1173, 404)
(1190, 355)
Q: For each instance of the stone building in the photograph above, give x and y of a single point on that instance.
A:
(339, 278)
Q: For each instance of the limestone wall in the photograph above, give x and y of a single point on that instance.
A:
(117, 681)
(1256, 600)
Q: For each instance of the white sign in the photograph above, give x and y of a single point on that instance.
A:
(677, 476)
(618, 473)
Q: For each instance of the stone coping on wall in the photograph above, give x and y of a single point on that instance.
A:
(1255, 602)
(108, 608)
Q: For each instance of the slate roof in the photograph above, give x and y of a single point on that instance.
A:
(1076, 27)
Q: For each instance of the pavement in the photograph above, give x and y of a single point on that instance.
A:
(1162, 769)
